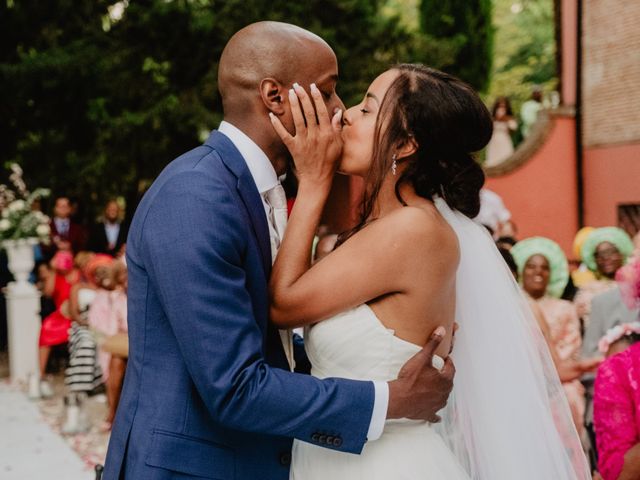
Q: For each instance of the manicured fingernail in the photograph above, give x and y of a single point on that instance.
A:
(271, 115)
(296, 86)
(440, 331)
(313, 88)
(292, 94)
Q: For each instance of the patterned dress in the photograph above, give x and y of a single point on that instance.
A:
(564, 328)
(616, 413)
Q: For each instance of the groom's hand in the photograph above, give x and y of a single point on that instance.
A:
(421, 390)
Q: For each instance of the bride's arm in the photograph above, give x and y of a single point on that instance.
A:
(380, 259)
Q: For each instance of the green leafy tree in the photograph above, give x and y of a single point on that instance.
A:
(525, 49)
(466, 26)
(99, 96)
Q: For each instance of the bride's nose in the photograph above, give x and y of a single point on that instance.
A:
(346, 118)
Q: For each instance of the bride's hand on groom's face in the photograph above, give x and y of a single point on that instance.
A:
(422, 390)
(316, 144)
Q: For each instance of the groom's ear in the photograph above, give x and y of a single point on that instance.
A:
(273, 95)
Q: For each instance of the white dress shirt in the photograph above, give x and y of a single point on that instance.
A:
(111, 230)
(265, 177)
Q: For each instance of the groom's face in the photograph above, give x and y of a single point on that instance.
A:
(318, 65)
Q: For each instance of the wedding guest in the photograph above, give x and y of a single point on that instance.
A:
(617, 415)
(604, 251)
(65, 234)
(109, 235)
(581, 275)
(84, 374)
(544, 272)
(108, 318)
(529, 110)
(500, 146)
(493, 213)
(55, 327)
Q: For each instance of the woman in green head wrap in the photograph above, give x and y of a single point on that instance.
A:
(604, 251)
(544, 272)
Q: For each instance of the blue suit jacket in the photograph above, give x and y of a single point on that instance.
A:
(207, 392)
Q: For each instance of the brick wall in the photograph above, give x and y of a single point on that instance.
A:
(611, 72)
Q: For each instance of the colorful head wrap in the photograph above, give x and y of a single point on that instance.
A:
(613, 235)
(559, 268)
(579, 239)
(100, 260)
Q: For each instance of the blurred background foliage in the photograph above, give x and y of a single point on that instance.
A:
(98, 96)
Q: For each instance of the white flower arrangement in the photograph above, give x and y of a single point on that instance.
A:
(18, 218)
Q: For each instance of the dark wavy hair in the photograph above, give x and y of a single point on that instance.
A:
(448, 122)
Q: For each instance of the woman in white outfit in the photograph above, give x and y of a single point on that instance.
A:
(414, 262)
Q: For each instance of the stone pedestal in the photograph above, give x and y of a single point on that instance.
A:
(23, 312)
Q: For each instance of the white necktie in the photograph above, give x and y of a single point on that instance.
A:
(277, 202)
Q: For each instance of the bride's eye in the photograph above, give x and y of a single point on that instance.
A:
(364, 110)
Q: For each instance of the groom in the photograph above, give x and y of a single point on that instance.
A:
(209, 391)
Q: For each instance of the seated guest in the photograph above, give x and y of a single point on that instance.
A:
(604, 251)
(108, 318)
(544, 273)
(616, 401)
(616, 415)
(65, 234)
(55, 327)
(109, 235)
(83, 374)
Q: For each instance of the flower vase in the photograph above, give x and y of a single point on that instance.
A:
(21, 261)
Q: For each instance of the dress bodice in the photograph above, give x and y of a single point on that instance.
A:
(356, 345)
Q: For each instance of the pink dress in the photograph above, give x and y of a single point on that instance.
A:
(616, 410)
(564, 328)
(108, 316)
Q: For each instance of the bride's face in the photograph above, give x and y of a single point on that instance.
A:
(360, 125)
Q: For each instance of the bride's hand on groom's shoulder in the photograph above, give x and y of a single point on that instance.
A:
(421, 390)
(316, 143)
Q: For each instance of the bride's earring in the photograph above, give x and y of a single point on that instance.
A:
(394, 165)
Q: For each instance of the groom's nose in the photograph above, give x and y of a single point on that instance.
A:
(336, 102)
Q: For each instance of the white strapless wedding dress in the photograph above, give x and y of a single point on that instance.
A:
(356, 345)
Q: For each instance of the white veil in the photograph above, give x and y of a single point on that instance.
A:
(507, 417)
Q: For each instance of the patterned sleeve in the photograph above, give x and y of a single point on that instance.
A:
(570, 341)
(614, 418)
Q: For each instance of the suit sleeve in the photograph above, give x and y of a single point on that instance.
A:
(194, 240)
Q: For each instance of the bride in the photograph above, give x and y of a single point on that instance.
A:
(415, 261)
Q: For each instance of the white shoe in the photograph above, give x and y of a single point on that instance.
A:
(77, 420)
(45, 389)
(74, 423)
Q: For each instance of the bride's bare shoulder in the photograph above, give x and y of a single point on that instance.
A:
(418, 229)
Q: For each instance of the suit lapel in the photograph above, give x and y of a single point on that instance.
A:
(248, 191)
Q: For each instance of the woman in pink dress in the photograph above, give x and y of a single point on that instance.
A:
(616, 403)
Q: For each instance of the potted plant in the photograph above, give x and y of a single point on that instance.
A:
(22, 225)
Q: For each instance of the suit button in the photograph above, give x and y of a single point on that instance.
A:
(337, 442)
(315, 436)
(330, 439)
(285, 459)
(322, 439)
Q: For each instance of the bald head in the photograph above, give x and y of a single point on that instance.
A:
(263, 50)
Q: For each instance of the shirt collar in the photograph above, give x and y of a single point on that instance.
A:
(261, 169)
